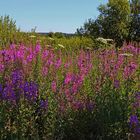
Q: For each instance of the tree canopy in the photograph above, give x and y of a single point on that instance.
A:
(118, 20)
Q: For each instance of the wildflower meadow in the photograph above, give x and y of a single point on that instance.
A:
(63, 78)
(48, 93)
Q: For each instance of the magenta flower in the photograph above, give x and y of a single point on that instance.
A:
(30, 58)
(129, 69)
(44, 71)
(75, 88)
(20, 54)
(45, 54)
(12, 46)
(116, 83)
(58, 63)
(37, 48)
(68, 78)
(79, 105)
(1, 67)
(54, 86)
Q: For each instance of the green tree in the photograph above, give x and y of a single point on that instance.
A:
(90, 28)
(114, 19)
(8, 30)
(112, 22)
(134, 27)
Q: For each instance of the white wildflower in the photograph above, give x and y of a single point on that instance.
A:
(32, 36)
(60, 45)
(126, 54)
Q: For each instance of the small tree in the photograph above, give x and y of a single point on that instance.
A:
(8, 30)
(112, 22)
(114, 19)
(134, 27)
(90, 28)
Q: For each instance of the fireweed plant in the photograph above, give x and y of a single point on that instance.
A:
(48, 93)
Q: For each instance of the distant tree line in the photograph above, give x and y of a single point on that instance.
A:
(118, 20)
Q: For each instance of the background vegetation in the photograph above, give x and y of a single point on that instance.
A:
(64, 87)
(118, 20)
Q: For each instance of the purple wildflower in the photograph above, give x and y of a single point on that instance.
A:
(30, 58)
(116, 83)
(134, 124)
(1, 88)
(30, 91)
(58, 63)
(44, 71)
(44, 104)
(45, 54)
(20, 54)
(68, 78)
(79, 105)
(136, 104)
(54, 86)
(133, 120)
(8, 93)
(90, 106)
(137, 94)
(16, 77)
(37, 48)
(74, 88)
(12, 46)
(129, 69)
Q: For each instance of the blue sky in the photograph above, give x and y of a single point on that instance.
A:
(50, 15)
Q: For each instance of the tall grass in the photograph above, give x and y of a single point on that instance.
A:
(60, 93)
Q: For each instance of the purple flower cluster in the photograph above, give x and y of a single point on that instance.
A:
(16, 88)
(54, 86)
(131, 49)
(17, 77)
(90, 106)
(44, 104)
(134, 124)
(30, 90)
(116, 84)
(136, 104)
(134, 121)
(8, 93)
(69, 78)
(130, 69)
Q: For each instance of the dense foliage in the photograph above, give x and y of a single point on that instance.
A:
(8, 30)
(9, 33)
(48, 93)
(134, 27)
(59, 87)
(118, 20)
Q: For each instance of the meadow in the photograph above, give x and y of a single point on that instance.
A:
(80, 85)
(68, 89)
